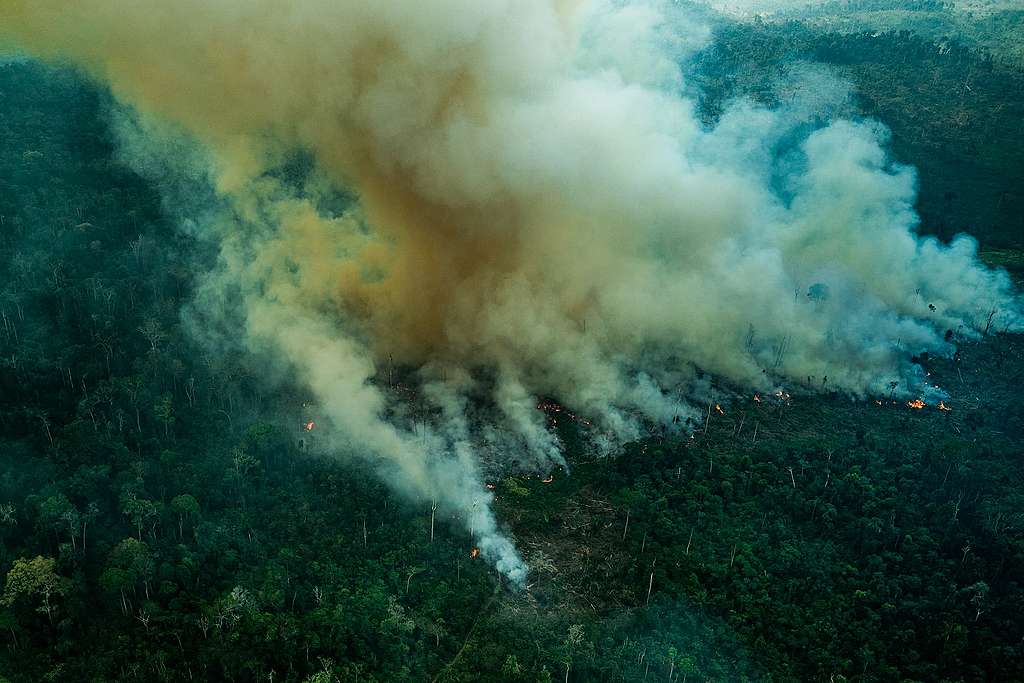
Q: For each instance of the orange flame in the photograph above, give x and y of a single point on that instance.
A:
(308, 426)
(719, 409)
(757, 398)
(916, 404)
(943, 406)
(474, 553)
(550, 479)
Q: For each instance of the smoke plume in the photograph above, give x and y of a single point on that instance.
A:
(540, 213)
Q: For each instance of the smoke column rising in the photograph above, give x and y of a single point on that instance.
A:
(537, 202)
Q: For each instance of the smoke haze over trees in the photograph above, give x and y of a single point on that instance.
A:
(541, 206)
(475, 247)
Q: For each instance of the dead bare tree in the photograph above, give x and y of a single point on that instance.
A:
(988, 323)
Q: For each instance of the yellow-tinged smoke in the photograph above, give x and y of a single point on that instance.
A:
(535, 198)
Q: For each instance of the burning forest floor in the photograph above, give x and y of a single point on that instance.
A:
(742, 540)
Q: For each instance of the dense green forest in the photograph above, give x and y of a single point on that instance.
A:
(997, 26)
(165, 515)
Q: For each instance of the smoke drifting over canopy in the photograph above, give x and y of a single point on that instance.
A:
(540, 213)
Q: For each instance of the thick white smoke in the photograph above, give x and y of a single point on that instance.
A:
(540, 213)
